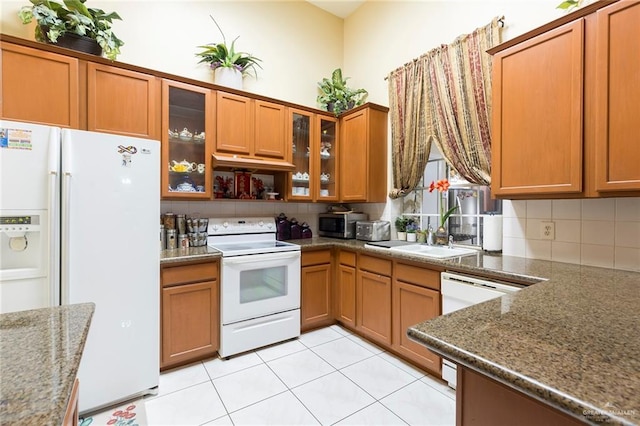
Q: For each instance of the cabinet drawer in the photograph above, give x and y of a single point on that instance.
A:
(315, 257)
(347, 258)
(417, 275)
(375, 264)
(190, 273)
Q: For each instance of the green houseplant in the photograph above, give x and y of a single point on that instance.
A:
(335, 96)
(221, 55)
(61, 23)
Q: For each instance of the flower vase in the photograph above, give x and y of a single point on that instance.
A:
(411, 236)
(229, 77)
(402, 236)
(442, 236)
(422, 237)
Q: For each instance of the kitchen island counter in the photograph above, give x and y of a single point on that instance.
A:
(569, 341)
(40, 352)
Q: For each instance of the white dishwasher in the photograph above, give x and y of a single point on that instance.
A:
(461, 291)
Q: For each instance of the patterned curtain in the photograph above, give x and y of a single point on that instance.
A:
(410, 144)
(459, 101)
(444, 96)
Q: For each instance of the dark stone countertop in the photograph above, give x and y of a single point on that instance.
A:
(40, 352)
(188, 254)
(571, 340)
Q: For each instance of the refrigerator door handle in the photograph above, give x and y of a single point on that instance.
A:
(65, 223)
(53, 200)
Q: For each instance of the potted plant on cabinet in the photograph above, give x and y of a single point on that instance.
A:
(74, 26)
(228, 65)
(336, 97)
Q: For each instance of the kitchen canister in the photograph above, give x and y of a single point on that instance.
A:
(183, 241)
(169, 221)
(172, 239)
(181, 224)
(163, 238)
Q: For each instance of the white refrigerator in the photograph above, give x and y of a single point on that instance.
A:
(79, 215)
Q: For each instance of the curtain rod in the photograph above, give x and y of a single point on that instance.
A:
(500, 21)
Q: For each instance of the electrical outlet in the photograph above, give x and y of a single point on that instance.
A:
(547, 230)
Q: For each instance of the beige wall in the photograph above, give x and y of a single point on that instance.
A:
(297, 42)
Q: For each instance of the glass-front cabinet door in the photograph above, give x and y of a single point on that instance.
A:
(186, 146)
(326, 158)
(301, 185)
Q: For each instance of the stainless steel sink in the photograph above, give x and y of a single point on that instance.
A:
(435, 252)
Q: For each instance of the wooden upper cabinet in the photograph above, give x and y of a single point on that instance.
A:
(363, 155)
(617, 152)
(270, 130)
(537, 140)
(122, 102)
(39, 87)
(233, 129)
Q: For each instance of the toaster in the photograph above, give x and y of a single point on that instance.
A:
(373, 230)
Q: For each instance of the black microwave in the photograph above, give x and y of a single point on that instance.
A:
(339, 225)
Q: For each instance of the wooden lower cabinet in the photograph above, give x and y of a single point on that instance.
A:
(413, 304)
(71, 414)
(315, 292)
(416, 298)
(345, 306)
(190, 313)
(373, 292)
(483, 401)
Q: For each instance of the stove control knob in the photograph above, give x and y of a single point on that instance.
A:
(269, 225)
(225, 224)
(215, 227)
(261, 223)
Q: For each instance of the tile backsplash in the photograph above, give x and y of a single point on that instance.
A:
(597, 232)
(303, 212)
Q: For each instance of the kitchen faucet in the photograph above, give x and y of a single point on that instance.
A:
(450, 241)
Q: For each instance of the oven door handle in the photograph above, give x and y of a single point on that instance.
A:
(262, 257)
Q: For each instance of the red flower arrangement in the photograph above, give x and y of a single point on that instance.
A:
(442, 186)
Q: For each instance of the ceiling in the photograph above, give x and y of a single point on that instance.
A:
(340, 8)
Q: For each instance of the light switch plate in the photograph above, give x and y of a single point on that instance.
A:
(547, 230)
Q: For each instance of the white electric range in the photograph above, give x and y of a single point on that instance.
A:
(259, 283)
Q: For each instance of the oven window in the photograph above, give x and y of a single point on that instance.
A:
(263, 284)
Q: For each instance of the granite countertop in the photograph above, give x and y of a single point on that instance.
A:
(40, 352)
(570, 339)
(188, 254)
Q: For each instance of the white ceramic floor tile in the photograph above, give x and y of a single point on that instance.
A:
(248, 386)
(375, 414)
(218, 367)
(340, 330)
(362, 342)
(181, 378)
(282, 409)
(222, 421)
(299, 368)
(191, 406)
(405, 366)
(377, 376)
(318, 337)
(420, 404)
(282, 349)
(342, 352)
(332, 397)
(440, 386)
